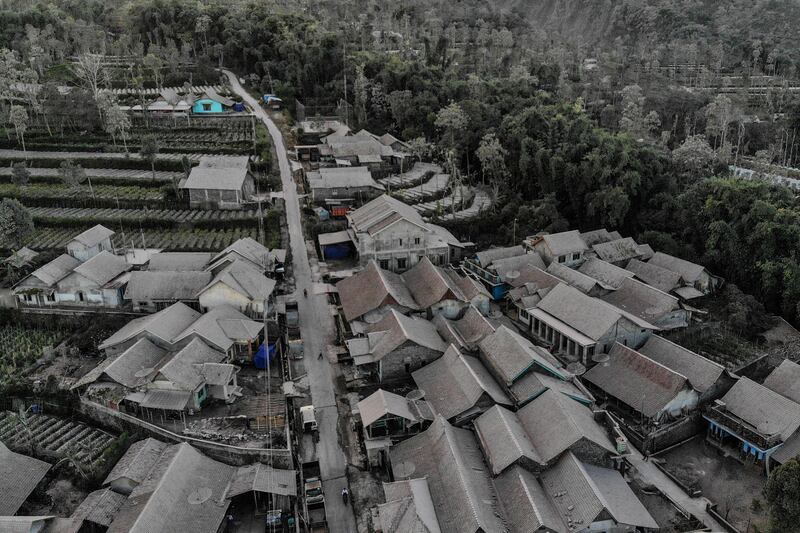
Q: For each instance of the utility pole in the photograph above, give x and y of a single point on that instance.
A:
(344, 71)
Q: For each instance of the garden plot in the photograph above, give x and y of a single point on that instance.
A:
(219, 89)
(433, 187)
(480, 201)
(458, 197)
(50, 215)
(122, 156)
(410, 178)
(55, 438)
(122, 174)
(22, 346)
(35, 191)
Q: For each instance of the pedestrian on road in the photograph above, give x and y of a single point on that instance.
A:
(319, 356)
(305, 293)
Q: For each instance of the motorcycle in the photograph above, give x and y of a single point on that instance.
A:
(345, 496)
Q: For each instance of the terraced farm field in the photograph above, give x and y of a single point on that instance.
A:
(84, 191)
(51, 215)
(21, 346)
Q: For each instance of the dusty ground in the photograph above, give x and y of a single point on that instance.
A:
(732, 486)
(367, 491)
(65, 498)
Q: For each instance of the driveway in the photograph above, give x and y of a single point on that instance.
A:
(317, 330)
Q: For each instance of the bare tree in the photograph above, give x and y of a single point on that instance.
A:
(89, 69)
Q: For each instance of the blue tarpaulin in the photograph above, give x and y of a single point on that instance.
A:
(260, 358)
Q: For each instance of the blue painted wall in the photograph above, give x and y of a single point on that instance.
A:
(216, 107)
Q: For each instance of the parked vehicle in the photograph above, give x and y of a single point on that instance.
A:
(314, 498)
(309, 418)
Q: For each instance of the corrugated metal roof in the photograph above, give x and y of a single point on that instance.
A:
(19, 476)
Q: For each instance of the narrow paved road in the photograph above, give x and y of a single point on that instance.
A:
(316, 328)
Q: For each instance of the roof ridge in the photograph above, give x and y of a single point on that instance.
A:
(502, 413)
(518, 473)
(460, 466)
(590, 480)
(665, 367)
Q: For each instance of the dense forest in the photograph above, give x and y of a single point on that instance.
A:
(575, 113)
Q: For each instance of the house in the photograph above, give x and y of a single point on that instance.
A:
(90, 243)
(247, 249)
(169, 101)
(579, 326)
(697, 280)
(599, 236)
(754, 421)
(211, 102)
(539, 433)
(591, 498)
(19, 477)
(608, 275)
(369, 294)
(618, 252)
(449, 459)
(21, 258)
(177, 488)
(524, 370)
(458, 386)
(343, 183)
(395, 346)
(465, 332)
(708, 378)
(223, 328)
(151, 291)
(577, 279)
(97, 510)
(567, 248)
(497, 268)
(527, 507)
(385, 414)
(397, 237)
(408, 507)
(240, 285)
(649, 304)
(785, 380)
(661, 278)
(188, 376)
(219, 182)
(530, 287)
(634, 383)
(39, 287)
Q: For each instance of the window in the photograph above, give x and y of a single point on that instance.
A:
(562, 258)
(576, 256)
(523, 314)
(401, 263)
(384, 264)
(401, 242)
(416, 240)
(206, 107)
(48, 297)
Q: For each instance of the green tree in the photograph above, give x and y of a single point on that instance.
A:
(695, 156)
(149, 151)
(19, 118)
(16, 223)
(783, 497)
(73, 175)
(452, 120)
(20, 175)
(492, 156)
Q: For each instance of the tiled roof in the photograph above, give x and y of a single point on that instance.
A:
(102, 267)
(618, 250)
(641, 300)
(371, 289)
(566, 242)
(610, 276)
(428, 284)
(455, 382)
(409, 508)
(573, 278)
(145, 286)
(590, 316)
(398, 329)
(703, 373)
(216, 174)
(460, 484)
(183, 367)
(166, 324)
(19, 476)
(100, 507)
(488, 257)
(56, 270)
(690, 272)
(661, 278)
(527, 506)
(93, 236)
(503, 439)
(764, 409)
(511, 355)
(137, 462)
(179, 261)
(465, 332)
(246, 279)
(785, 380)
(221, 327)
(637, 381)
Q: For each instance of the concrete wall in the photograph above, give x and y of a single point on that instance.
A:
(220, 294)
(399, 241)
(84, 253)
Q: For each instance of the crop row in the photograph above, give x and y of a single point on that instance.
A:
(34, 191)
(171, 215)
(22, 346)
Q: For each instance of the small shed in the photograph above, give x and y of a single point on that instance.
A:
(336, 245)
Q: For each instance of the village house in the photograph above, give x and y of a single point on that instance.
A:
(344, 183)
(387, 418)
(20, 259)
(609, 276)
(153, 474)
(223, 328)
(529, 288)
(408, 507)
(754, 422)
(395, 346)
(567, 248)
(497, 268)
(179, 261)
(397, 237)
(539, 433)
(619, 251)
(219, 182)
(525, 371)
(708, 378)
(248, 249)
(90, 243)
(649, 304)
(459, 387)
(661, 278)
(640, 388)
(240, 285)
(425, 288)
(151, 291)
(578, 280)
(148, 378)
(465, 332)
(210, 101)
(449, 459)
(19, 477)
(697, 281)
(579, 326)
